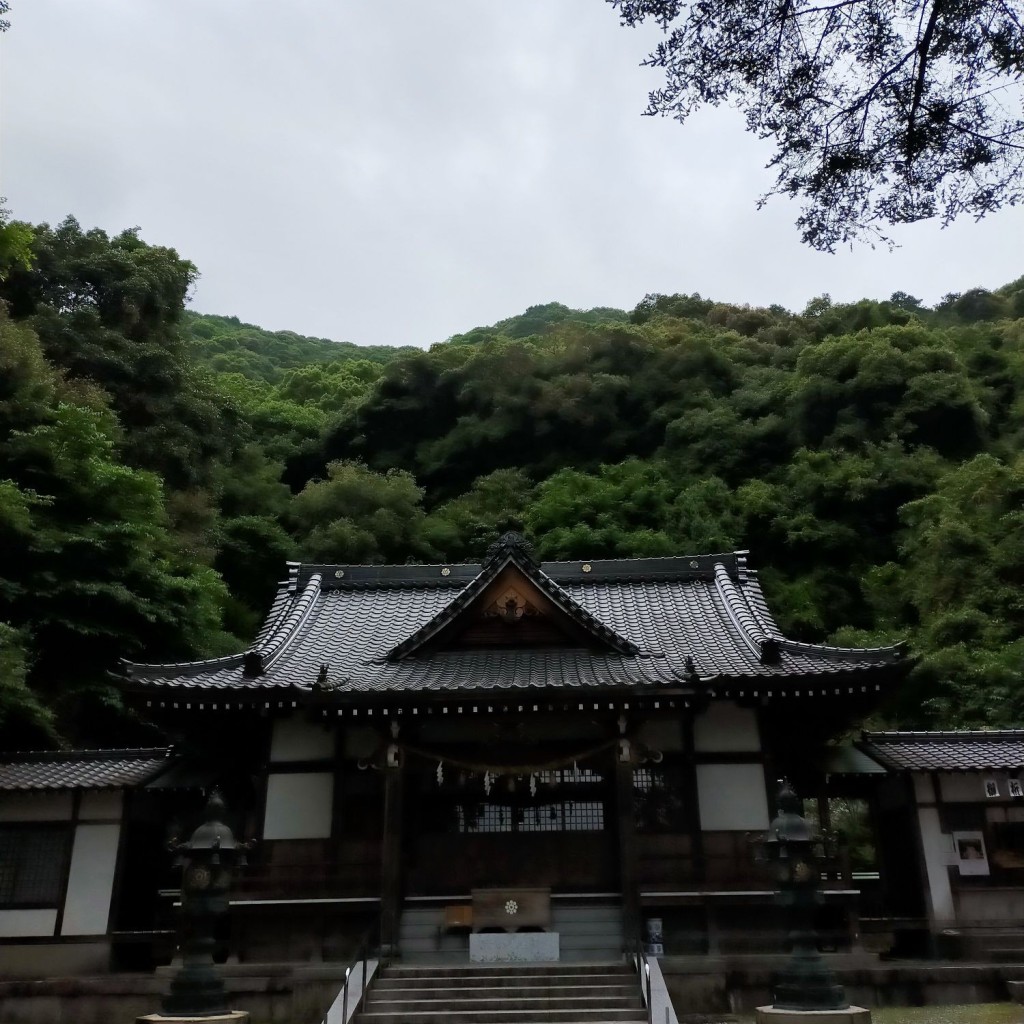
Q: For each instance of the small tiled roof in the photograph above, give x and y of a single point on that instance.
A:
(985, 750)
(848, 760)
(81, 769)
(689, 622)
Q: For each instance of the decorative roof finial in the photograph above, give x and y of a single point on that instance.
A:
(512, 541)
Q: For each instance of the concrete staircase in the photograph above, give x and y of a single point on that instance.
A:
(526, 994)
(588, 930)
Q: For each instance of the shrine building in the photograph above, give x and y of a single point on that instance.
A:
(590, 742)
(608, 732)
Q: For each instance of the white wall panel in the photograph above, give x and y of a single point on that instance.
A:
(299, 805)
(726, 728)
(295, 739)
(101, 803)
(35, 807)
(969, 788)
(91, 881)
(731, 797)
(18, 923)
(924, 791)
(938, 854)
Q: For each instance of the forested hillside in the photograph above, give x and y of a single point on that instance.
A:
(157, 467)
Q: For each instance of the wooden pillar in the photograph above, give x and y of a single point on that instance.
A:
(626, 820)
(391, 853)
(691, 804)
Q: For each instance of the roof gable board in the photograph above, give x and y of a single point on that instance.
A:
(511, 611)
(512, 602)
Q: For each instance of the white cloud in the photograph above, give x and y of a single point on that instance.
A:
(397, 173)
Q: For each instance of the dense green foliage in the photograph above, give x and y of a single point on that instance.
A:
(158, 467)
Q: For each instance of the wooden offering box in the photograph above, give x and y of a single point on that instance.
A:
(511, 909)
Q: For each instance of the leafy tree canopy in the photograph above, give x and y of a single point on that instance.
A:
(866, 452)
(882, 112)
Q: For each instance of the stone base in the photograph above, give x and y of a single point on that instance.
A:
(851, 1015)
(231, 1017)
(520, 947)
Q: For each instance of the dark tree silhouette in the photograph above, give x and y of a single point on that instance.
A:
(882, 111)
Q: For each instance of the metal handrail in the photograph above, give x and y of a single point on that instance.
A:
(643, 969)
(360, 964)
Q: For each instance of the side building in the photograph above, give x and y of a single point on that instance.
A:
(70, 881)
(953, 803)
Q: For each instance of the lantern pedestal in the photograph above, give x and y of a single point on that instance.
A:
(851, 1015)
(208, 860)
(806, 990)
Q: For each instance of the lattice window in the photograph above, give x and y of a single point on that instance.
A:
(568, 799)
(559, 816)
(33, 859)
(484, 818)
(658, 803)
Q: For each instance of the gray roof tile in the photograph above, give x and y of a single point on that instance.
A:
(663, 621)
(81, 769)
(986, 750)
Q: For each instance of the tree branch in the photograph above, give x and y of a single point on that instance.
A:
(922, 52)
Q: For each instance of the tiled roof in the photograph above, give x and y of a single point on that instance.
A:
(848, 760)
(990, 750)
(81, 769)
(660, 622)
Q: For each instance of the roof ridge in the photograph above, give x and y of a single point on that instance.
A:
(277, 610)
(828, 651)
(258, 659)
(457, 574)
(136, 669)
(940, 734)
(90, 754)
(764, 644)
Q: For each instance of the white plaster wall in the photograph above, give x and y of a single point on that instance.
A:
(938, 853)
(101, 803)
(295, 739)
(924, 791)
(731, 797)
(19, 923)
(969, 788)
(726, 728)
(299, 805)
(91, 881)
(35, 807)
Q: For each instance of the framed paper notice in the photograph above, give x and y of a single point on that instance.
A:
(971, 857)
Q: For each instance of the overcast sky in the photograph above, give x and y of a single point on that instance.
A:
(398, 172)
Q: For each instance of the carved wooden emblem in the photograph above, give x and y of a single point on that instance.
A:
(510, 607)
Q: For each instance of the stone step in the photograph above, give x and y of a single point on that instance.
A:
(540, 1016)
(585, 970)
(592, 993)
(580, 984)
(418, 930)
(464, 1001)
